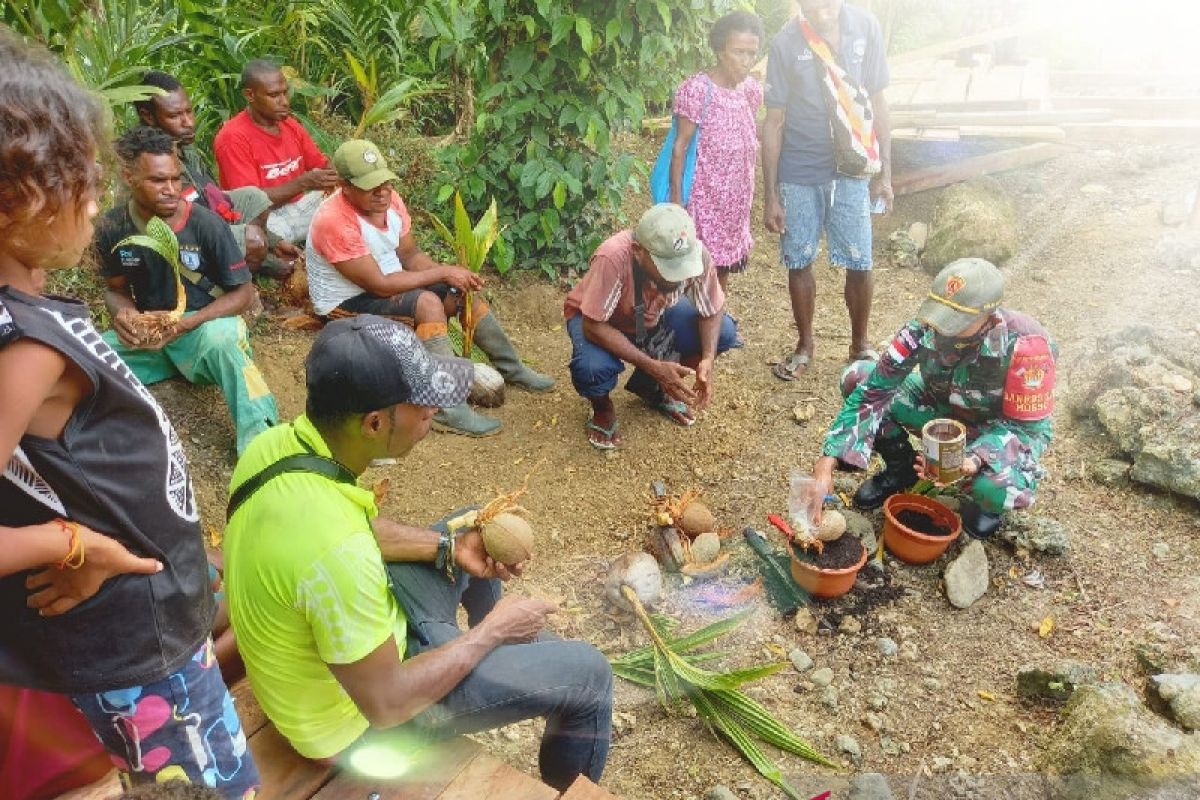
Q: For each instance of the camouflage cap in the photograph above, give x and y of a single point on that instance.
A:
(964, 291)
(360, 162)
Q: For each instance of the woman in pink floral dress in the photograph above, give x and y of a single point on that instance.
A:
(723, 101)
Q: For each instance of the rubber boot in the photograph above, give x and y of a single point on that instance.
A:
(976, 522)
(461, 418)
(897, 474)
(492, 340)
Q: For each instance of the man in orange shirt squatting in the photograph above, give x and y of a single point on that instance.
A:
(650, 298)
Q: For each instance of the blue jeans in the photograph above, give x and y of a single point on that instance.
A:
(568, 682)
(594, 370)
(842, 208)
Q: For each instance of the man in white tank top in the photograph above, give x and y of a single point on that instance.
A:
(363, 259)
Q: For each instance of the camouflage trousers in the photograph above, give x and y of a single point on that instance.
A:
(1010, 467)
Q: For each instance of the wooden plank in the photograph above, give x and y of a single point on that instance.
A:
(1166, 131)
(490, 778)
(583, 789)
(431, 772)
(962, 43)
(967, 106)
(1174, 82)
(939, 119)
(1148, 107)
(248, 710)
(935, 177)
(997, 83)
(1035, 133)
(286, 775)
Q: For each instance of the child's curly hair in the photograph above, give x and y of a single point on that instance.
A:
(52, 133)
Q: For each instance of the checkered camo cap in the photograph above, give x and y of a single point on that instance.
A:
(367, 363)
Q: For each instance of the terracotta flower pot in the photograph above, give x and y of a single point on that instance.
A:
(825, 582)
(914, 547)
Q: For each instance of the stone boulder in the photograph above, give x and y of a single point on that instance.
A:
(971, 220)
(966, 577)
(1111, 747)
(1057, 682)
(1034, 532)
(1141, 386)
(1181, 692)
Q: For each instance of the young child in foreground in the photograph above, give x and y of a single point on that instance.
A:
(104, 589)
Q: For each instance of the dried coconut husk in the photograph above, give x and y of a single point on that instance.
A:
(151, 327)
(696, 519)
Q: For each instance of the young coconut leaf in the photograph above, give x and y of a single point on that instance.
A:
(471, 246)
(161, 239)
(727, 712)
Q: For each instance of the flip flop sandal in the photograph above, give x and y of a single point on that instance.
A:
(866, 354)
(609, 442)
(791, 366)
(676, 411)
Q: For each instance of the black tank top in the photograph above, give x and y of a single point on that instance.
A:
(119, 468)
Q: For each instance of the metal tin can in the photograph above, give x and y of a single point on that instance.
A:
(944, 443)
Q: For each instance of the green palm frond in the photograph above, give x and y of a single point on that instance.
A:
(671, 666)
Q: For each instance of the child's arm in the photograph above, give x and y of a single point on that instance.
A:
(39, 390)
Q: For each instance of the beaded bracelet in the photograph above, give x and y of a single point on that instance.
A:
(75, 550)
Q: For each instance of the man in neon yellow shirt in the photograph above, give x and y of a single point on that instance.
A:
(329, 650)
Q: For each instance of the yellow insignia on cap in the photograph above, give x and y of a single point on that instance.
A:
(954, 285)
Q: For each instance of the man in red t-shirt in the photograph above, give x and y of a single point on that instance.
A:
(265, 146)
(661, 271)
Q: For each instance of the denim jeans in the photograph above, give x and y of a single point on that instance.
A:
(594, 370)
(568, 682)
(842, 208)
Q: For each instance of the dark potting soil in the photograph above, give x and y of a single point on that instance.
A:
(842, 552)
(921, 522)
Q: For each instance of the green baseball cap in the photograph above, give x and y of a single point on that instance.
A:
(360, 162)
(962, 292)
(669, 235)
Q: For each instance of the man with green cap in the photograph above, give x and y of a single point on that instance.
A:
(964, 358)
(362, 258)
(650, 298)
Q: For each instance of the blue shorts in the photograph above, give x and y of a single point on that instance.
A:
(594, 370)
(842, 208)
(183, 727)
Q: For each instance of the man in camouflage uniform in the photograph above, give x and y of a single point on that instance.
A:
(964, 358)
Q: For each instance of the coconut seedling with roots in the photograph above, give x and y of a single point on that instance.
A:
(151, 327)
(504, 527)
(686, 530)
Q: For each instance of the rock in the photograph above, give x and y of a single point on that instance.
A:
(848, 745)
(1176, 209)
(805, 622)
(890, 746)
(1182, 693)
(1033, 532)
(850, 625)
(1151, 657)
(967, 576)
(1110, 747)
(902, 251)
(829, 698)
(1110, 472)
(1139, 384)
(720, 793)
(971, 220)
(822, 677)
(1161, 550)
(623, 722)
(874, 722)
(858, 525)
(886, 647)
(1058, 682)
(919, 233)
(869, 786)
(932, 685)
(877, 702)
(800, 660)
(941, 763)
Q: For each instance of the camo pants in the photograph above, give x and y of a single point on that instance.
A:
(1010, 467)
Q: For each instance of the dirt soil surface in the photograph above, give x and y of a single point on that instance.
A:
(940, 717)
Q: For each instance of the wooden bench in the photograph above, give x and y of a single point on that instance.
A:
(457, 769)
